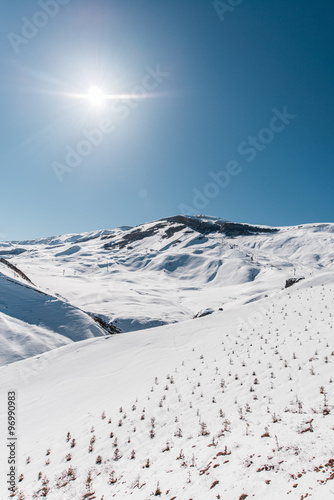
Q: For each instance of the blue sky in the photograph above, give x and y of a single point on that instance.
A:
(235, 120)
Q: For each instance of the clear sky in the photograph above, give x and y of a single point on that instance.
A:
(221, 108)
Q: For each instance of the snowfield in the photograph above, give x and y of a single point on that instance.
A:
(236, 403)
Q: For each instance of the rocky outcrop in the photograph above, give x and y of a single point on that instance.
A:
(292, 281)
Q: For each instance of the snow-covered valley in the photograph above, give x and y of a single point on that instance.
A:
(235, 403)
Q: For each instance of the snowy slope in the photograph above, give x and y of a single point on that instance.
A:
(170, 270)
(239, 403)
(32, 322)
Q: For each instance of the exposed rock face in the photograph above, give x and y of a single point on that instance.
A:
(108, 327)
(15, 269)
(206, 312)
(172, 225)
(292, 281)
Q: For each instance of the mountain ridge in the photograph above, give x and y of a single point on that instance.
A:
(169, 270)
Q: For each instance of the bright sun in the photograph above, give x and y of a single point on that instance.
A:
(96, 96)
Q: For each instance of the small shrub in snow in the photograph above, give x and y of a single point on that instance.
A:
(226, 425)
(43, 492)
(167, 447)
(325, 410)
(213, 442)
(203, 431)
(89, 481)
(158, 491)
(112, 478)
(178, 433)
(117, 455)
(266, 433)
(66, 477)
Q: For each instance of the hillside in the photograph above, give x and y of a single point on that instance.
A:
(32, 321)
(235, 404)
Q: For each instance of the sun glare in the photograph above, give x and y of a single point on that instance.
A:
(96, 96)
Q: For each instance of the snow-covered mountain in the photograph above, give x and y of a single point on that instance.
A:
(229, 396)
(165, 271)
